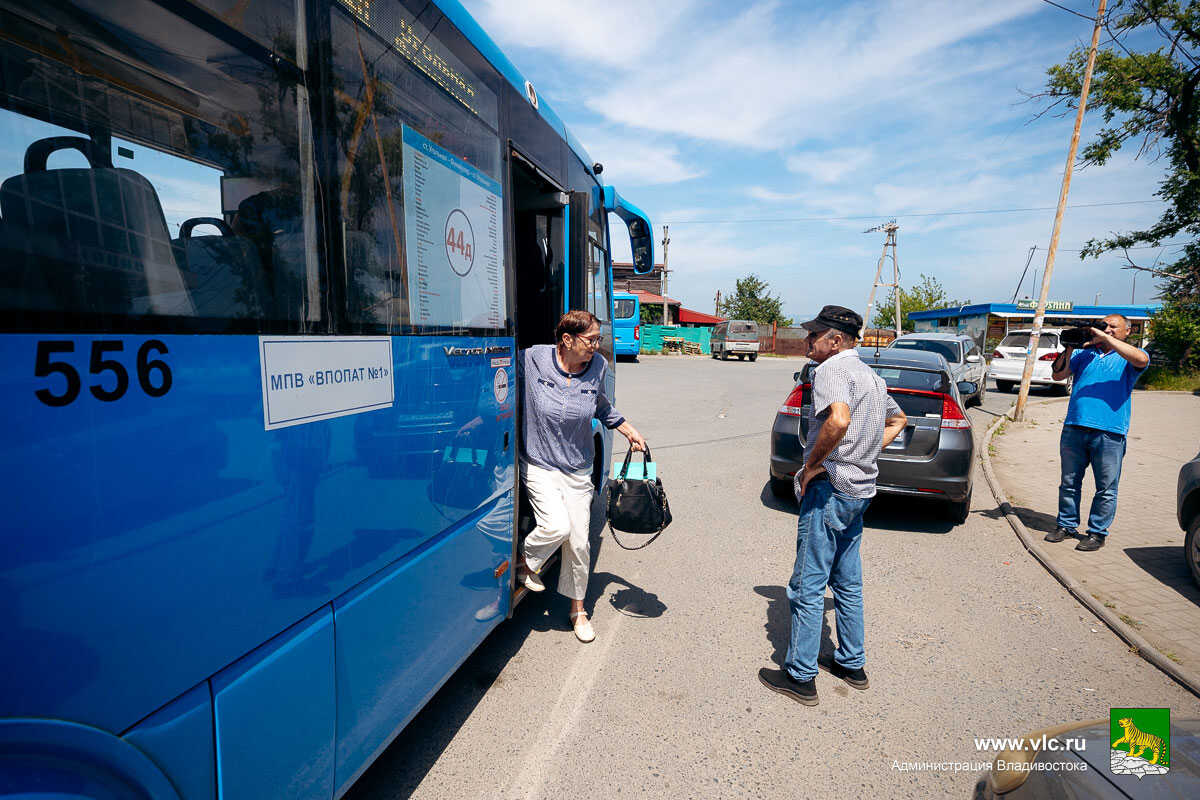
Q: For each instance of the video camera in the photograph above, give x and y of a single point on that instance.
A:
(1077, 336)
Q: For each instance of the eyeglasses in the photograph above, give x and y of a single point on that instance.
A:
(593, 341)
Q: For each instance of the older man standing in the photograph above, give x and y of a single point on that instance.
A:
(853, 419)
(1094, 430)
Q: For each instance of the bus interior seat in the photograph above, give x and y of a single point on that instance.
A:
(223, 272)
(272, 220)
(373, 295)
(99, 232)
(22, 281)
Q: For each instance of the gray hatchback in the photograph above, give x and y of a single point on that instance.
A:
(930, 459)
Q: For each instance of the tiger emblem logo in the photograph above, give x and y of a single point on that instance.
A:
(1141, 741)
(1137, 741)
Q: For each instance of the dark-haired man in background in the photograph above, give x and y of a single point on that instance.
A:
(1095, 427)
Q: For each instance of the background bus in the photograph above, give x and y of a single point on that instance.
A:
(627, 325)
(266, 269)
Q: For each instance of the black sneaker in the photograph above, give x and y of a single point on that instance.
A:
(778, 680)
(855, 677)
(1059, 534)
(1093, 541)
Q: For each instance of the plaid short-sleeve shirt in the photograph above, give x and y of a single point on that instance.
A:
(844, 378)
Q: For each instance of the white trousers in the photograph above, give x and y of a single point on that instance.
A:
(562, 509)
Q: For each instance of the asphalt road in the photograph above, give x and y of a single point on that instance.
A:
(967, 636)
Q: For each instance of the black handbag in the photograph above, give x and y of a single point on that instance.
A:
(637, 505)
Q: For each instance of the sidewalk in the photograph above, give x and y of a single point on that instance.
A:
(1140, 575)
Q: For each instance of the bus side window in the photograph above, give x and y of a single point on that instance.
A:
(380, 92)
(597, 283)
(183, 215)
(97, 232)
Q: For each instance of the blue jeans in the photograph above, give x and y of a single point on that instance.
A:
(827, 537)
(1078, 448)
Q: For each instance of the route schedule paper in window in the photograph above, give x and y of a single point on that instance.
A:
(453, 236)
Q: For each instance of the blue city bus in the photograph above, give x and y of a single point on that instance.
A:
(627, 324)
(265, 269)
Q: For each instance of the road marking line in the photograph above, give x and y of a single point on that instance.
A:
(572, 700)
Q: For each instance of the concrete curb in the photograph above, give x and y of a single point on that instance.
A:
(1186, 677)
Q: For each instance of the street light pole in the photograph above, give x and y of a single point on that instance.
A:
(1040, 315)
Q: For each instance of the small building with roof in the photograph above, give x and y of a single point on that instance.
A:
(990, 322)
(697, 319)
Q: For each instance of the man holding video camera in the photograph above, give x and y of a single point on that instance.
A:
(1097, 421)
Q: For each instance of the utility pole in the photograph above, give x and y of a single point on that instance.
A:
(1040, 315)
(666, 240)
(1133, 290)
(717, 304)
(890, 229)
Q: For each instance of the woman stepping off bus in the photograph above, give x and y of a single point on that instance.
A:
(563, 392)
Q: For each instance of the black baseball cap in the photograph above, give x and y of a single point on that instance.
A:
(838, 318)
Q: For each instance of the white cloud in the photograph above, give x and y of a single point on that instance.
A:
(772, 196)
(829, 166)
(633, 159)
(762, 81)
(611, 32)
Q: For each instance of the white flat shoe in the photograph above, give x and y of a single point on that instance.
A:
(583, 626)
(533, 583)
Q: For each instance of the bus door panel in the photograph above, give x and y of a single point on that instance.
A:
(539, 251)
(179, 738)
(401, 635)
(577, 275)
(275, 717)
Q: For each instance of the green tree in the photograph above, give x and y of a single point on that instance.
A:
(927, 294)
(651, 314)
(1148, 95)
(752, 300)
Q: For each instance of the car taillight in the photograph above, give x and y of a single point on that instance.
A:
(997, 354)
(792, 406)
(637, 332)
(952, 415)
(1048, 357)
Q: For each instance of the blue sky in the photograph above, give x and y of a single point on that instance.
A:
(713, 116)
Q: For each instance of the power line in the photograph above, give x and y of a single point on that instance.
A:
(899, 216)
(1070, 10)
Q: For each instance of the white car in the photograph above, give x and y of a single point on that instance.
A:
(1008, 360)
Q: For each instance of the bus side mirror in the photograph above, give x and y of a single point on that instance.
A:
(641, 232)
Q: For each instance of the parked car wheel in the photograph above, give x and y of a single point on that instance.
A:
(958, 512)
(754, 356)
(1005, 386)
(741, 356)
(1065, 389)
(982, 393)
(1191, 549)
(783, 488)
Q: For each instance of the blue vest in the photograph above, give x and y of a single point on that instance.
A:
(1102, 397)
